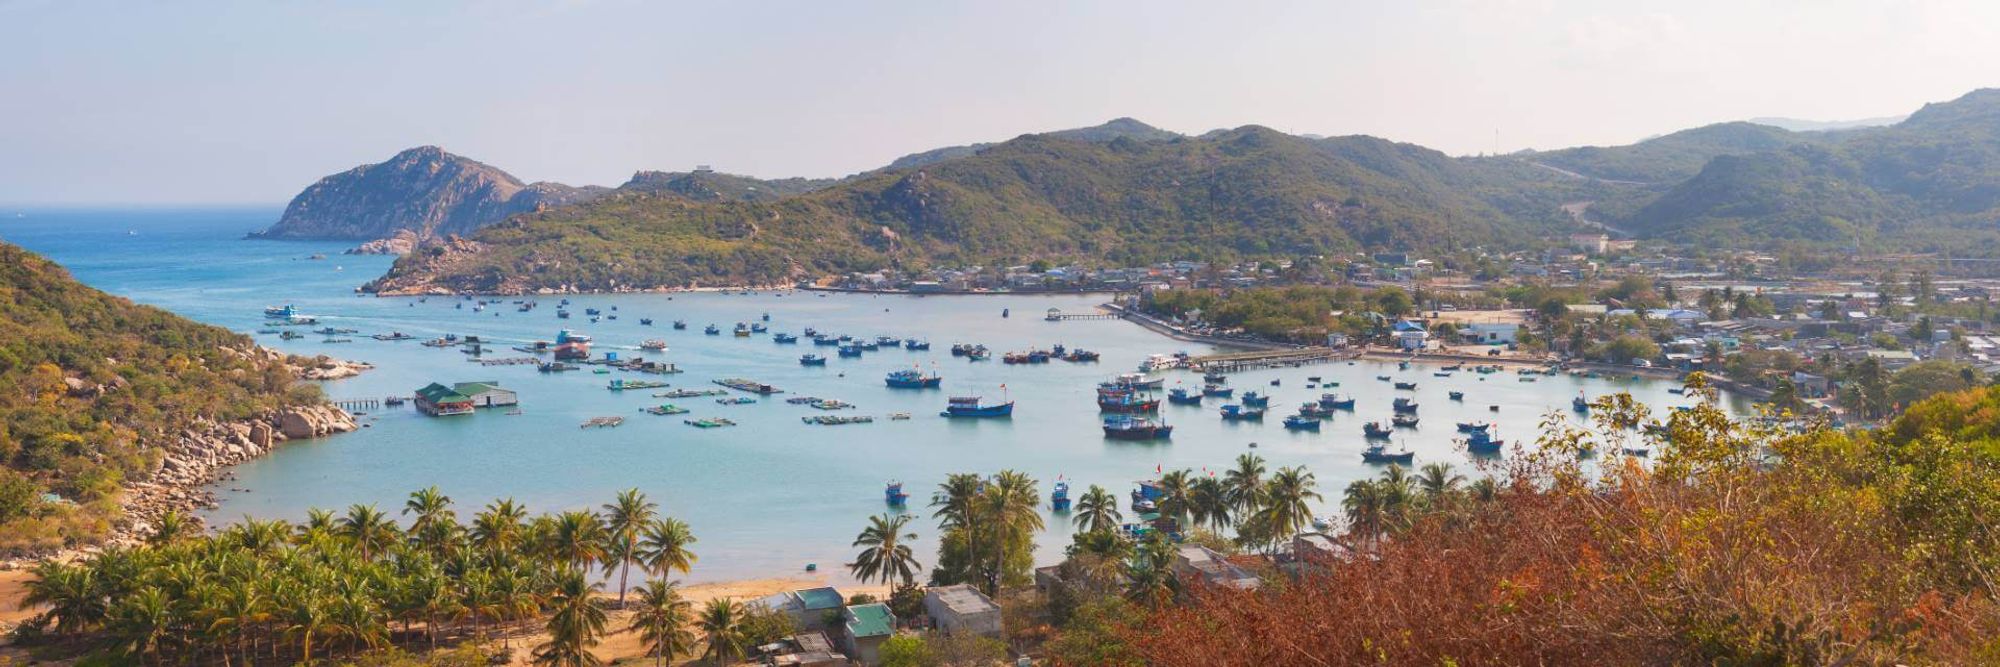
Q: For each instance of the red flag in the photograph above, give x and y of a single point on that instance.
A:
(1156, 467)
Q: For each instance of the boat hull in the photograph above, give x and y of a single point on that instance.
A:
(1001, 410)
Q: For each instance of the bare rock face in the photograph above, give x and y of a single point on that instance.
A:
(403, 242)
(328, 368)
(314, 422)
(425, 191)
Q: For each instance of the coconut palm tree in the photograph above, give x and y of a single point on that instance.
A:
(144, 622)
(884, 554)
(624, 519)
(1176, 499)
(662, 619)
(305, 617)
(1437, 485)
(368, 529)
(240, 611)
(576, 620)
(434, 517)
(1366, 513)
(1485, 489)
(1286, 511)
(722, 623)
(1245, 484)
(499, 527)
(1208, 503)
(1149, 575)
(168, 529)
(1097, 510)
(664, 547)
(74, 598)
(1013, 512)
(577, 538)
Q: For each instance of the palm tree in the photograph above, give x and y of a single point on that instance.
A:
(72, 594)
(1366, 513)
(624, 518)
(577, 538)
(884, 555)
(368, 529)
(306, 616)
(576, 620)
(240, 611)
(1245, 484)
(1286, 510)
(1437, 485)
(662, 620)
(143, 622)
(433, 510)
(1149, 575)
(1208, 502)
(664, 548)
(1097, 511)
(1176, 495)
(168, 529)
(499, 527)
(1484, 490)
(1013, 510)
(722, 622)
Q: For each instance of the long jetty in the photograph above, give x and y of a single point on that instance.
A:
(1240, 361)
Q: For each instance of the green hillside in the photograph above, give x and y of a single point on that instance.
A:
(95, 383)
(1671, 158)
(1248, 192)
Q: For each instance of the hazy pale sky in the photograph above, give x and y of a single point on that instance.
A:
(190, 101)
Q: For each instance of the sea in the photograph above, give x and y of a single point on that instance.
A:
(773, 495)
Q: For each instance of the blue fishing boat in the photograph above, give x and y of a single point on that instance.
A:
(1405, 405)
(1256, 400)
(1059, 498)
(1409, 386)
(1482, 442)
(1455, 395)
(1375, 430)
(1181, 396)
(712, 330)
(742, 330)
(894, 495)
(1239, 413)
(680, 325)
(1301, 423)
(284, 312)
(1578, 404)
(1128, 427)
(1473, 427)
(810, 332)
(868, 345)
(915, 345)
(913, 379)
(979, 353)
(767, 317)
(1115, 397)
(562, 314)
(1380, 453)
(969, 406)
(888, 341)
(592, 311)
(645, 321)
(812, 360)
(825, 340)
(850, 350)
(1314, 410)
(1335, 402)
(1217, 391)
(783, 338)
(758, 327)
(1403, 420)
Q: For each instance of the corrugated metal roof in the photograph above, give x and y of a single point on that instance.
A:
(870, 620)
(825, 597)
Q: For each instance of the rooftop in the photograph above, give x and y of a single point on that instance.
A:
(824, 597)
(963, 599)
(870, 620)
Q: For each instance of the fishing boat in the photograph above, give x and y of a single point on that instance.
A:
(1312, 378)
(284, 312)
(1256, 400)
(592, 311)
(1157, 362)
(1214, 378)
(888, 341)
(1375, 430)
(645, 321)
(915, 345)
(850, 351)
(1677, 391)
(1059, 498)
(783, 338)
(571, 346)
(1235, 412)
(741, 331)
(758, 327)
(712, 330)
(393, 335)
(1076, 356)
(1403, 420)
(1140, 381)
(825, 340)
(893, 494)
(979, 353)
(969, 406)
(961, 349)
(1383, 378)
(1455, 395)
(1473, 427)
(1578, 404)
(562, 314)
(867, 345)
(1335, 402)
(1128, 427)
(1406, 385)
(1482, 442)
(1403, 365)
(680, 325)
(1301, 422)
(654, 344)
(1405, 405)
(1313, 410)
(1217, 391)
(1114, 397)
(812, 360)
(913, 379)
(1179, 396)
(1380, 453)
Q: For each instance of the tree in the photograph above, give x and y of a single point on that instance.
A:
(1245, 484)
(884, 555)
(665, 548)
(1176, 499)
(1437, 485)
(576, 620)
(368, 529)
(1149, 574)
(904, 651)
(662, 621)
(1288, 495)
(433, 510)
(722, 623)
(624, 519)
(577, 538)
(1097, 511)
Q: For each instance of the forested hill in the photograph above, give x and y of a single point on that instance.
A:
(1672, 158)
(1246, 192)
(94, 382)
(1931, 182)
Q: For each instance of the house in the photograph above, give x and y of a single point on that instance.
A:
(810, 649)
(438, 400)
(1482, 333)
(1811, 386)
(1590, 243)
(1411, 335)
(809, 608)
(1197, 561)
(962, 608)
(867, 626)
(486, 394)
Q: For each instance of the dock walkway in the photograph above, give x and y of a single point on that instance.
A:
(1240, 361)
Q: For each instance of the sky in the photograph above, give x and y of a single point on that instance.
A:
(191, 101)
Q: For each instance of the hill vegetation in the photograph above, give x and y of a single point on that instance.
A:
(95, 384)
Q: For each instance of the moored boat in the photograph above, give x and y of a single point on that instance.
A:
(1578, 404)
(1301, 422)
(1374, 430)
(1404, 405)
(1128, 427)
(680, 325)
(1403, 420)
(1335, 402)
(1113, 397)
(1235, 412)
(1380, 453)
(1482, 442)
(783, 338)
(1181, 396)
(1473, 427)
(712, 330)
(893, 494)
(1256, 400)
(915, 345)
(1456, 395)
(1217, 391)
(812, 360)
(1059, 498)
(913, 379)
(850, 350)
(1140, 381)
(1406, 385)
(969, 406)
(654, 344)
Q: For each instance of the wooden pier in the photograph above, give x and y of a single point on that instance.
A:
(1242, 361)
(352, 404)
(1057, 315)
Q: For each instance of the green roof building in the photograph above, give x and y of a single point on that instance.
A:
(438, 400)
(868, 625)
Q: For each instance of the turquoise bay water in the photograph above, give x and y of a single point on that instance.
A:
(773, 494)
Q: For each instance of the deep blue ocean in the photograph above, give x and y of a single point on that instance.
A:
(769, 496)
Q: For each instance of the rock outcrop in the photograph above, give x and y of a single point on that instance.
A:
(324, 367)
(425, 191)
(198, 456)
(403, 242)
